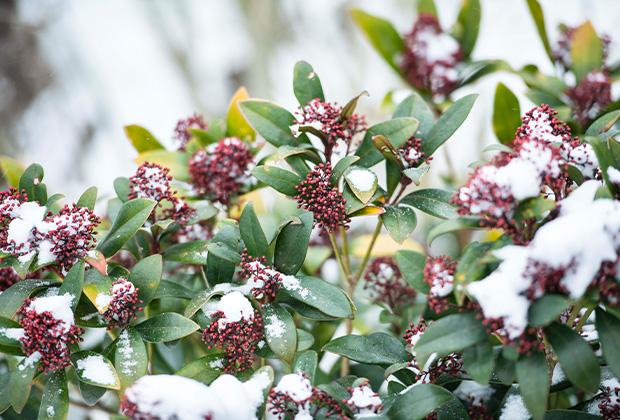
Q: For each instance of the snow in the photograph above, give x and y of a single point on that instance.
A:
(585, 235)
(235, 307)
(102, 301)
(539, 126)
(558, 375)
(50, 411)
(12, 333)
(362, 179)
(274, 327)
(96, 369)
(172, 396)
(437, 46)
(613, 174)
(514, 409)
(216, 364)
(520, 177)
(292, 283)
(29, 361)
(472, 389)
(297, 387)
(365, 399)
(59, 306)
(127, 365)
(443, 281)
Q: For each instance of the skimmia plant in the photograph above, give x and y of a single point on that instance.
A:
(201, 290)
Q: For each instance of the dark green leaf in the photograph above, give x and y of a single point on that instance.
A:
(306, 362)
(292, 244)
(224, 252)
(382, 36)
(569, 415)
(146, 275)
(319, 294)
(539, 21)
(280, 179)
(168, 289)
(142, 139)
(130, 357)
(20, 383)
(121, 187)
(252, 233)
(306, 83)
(478, 361)
(305, 340)
(164, 327)
(374, 349)
(193, 252)
(7, 328)
(506, 114)
(280, 331)
(88, 198)
(55, 398)
(603, 123)
(30, 181)
(447, 124)
(270, 120)
(130, 218)
(467, 26)
(218, 269)
(341, 167)
(397, 130)
(533, 377)
(73, 283)
(411, 265)
(13, 297)
(547, 309)
(400, 221)
(608, 327)
(449, 334)
(418, 402)
(415, 106)
(575, 355)
(452, 225)
(431, 201)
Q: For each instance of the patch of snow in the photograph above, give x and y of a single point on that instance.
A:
(362, 179)
(365, 400)
(94, 368)
(128, 365)
(12, 333)
(59, 306)
(297, 387)
(274, 327)
(102, 301)
(235, 307)
(514, 409)
(613, 174)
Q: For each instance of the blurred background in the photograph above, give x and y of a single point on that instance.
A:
(73, 73)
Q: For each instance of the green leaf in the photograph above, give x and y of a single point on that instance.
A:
(397, 130)
(349, 108)
(306, 83)
(305, 340)
(586, 50)
(95, 369)
(236, 124)
(88, 198)
(280, 331)
(73, 283)
(168, 289)
(418, 402)
(30, 181)
(205, 370)
(608, 327)
(447, 124)
(130, 218)
(130, 357)
(176, 161)
(539, 21)
(55, 398)
(506, 114)
(199, 301)
(121, 187)
(362, 182)
(220, 270)
(20, 384)
(415, 106)
(8, 326)
(194, 252)
(547, 309)
(452, 225)
(427, 7)
(319, 294)
(146, 275)
(575, 355)
(280, 179)
(270, 120)
(374, 349)
(12, 170)
(533, 376)
(252, 233)
(292, 244)
(142, 139)
(432, 201)
(400, 221)
(605, 160)
(13, 297)
(306, 362)
(164, 327)
(603, 123)
(478, 361)
(467, 26)
(411, 265)
(382, 36)
(91, 394)
(449, 334)
(569, 415)
(341, 167)
(224, 252)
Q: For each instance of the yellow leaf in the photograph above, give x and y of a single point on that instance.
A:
(236, 124)
(11, 170)
(384, 247)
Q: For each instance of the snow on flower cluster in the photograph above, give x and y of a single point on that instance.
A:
(538, 162)
(567, 255)
(431, 57)
(222, 170)
(121, 304)
(176, 397)
(182, 133)
(294, 396)
(262, 281)
(153, 181)
(332, 126)
(386, 285)
(364, 402)
(29, 229)
(590, 96)
(236, 328)
(49, 329)
(439, 275)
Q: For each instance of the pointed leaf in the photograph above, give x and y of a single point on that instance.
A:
(447, 124)
(382, 36)
(130, 357)
(432, 201)
(236, 124)
(374, 349)
(280, 179)
(306, 83)
(400, 221)
(164, 327)
(506, 114)
(73, 283)
(280, 331)
(130, 218)
(292, 244)
(533, 376)
(146, 275)
(142, 139)
(608, 327)
(95, 369)
(88, 199)
(55, 398)
(418, 402)
(270, 120)
(252, 233)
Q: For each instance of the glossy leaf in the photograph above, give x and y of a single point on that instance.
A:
(374, 349)
(88, 198)
(73, 283)
(164, 327)
(270, 120)
(130, 357)
(411, 265)
(506, 114)
(280, 331)
(341, 167)
(362, 182)
(146, 275)
(95, 369)
(306, 362)
(418, 402)
(292, 244)
(397, 130)
(30, 181)
(478, 361)
(142, 139)
(547, 309)
(467, 26)
(130, 218)
(452, 225)
(321, 295)
(414, 106)
(252, 233)
(382, 36)
(194, 252)
(55, 398)
(20, 383)
(447, 124)
(432, 201)
(306, 83)
(400, 221)
(608, 327)
(533, 377)
(539, 20)
(586, 50)
(12, 298)
(279, 179)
